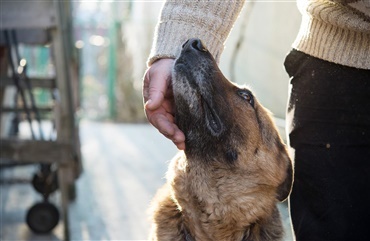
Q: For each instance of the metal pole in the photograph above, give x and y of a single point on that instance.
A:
(112, 64)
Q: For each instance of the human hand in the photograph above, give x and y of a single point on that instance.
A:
(159, 102)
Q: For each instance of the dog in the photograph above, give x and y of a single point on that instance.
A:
(226, 184)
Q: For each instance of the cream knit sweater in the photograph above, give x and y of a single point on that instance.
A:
(334, 30)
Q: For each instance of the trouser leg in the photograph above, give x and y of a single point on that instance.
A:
(329, 133)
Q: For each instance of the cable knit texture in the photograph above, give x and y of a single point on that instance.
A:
(337, 31)
(334, 30)
(210, 21)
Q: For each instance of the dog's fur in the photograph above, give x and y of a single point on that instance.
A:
(226, 184)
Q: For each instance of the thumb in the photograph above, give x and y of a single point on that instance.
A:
(156, 81)
(156, 91)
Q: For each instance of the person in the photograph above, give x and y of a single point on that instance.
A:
(328, 114)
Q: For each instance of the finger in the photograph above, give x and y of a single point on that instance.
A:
(163, 112)
(157, 89)
(157, 82)
(146, 86)
(168, 129)
(179, 139)
(169, 106)
(153, 90)
(162, 123)
(180, 146)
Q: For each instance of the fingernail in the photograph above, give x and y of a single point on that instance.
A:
(181, 147)
(148, 102)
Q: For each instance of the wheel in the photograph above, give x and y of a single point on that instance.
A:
(45, 184)
(42, 217)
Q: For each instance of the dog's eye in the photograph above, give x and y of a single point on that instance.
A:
(246, 95)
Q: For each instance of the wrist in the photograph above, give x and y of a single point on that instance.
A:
(157, 58)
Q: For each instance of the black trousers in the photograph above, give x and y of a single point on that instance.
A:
(329, 133)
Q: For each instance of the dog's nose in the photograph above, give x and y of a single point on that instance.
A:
(195, 44)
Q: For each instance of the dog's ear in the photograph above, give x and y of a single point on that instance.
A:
(284, 189)
(272, 140)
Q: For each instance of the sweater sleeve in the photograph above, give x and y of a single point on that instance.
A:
(210, 21)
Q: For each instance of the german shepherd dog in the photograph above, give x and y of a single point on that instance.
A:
(226, 185)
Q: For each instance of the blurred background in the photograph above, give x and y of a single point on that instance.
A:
(72, 112)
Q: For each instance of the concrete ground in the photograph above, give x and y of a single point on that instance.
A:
(124, 165)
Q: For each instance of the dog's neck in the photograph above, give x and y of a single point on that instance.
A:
(210, 210)
(194, 230)
(188, 237)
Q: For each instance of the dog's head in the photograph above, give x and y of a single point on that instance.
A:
(224, 122)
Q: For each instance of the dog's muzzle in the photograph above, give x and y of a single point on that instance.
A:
(198, 65)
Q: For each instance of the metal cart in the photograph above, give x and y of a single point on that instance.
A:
(58, 158)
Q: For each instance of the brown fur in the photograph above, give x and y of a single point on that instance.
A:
(226, 184)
